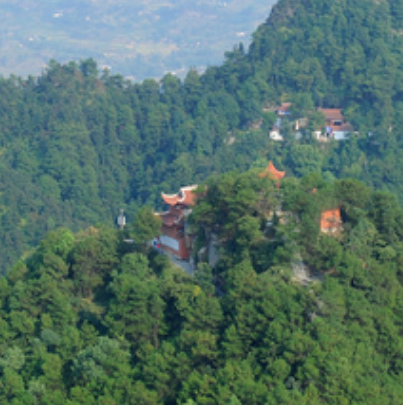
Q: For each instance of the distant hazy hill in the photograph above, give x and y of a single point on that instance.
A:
(139, 39)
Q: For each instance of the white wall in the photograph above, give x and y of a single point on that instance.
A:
(340, 135)
(170, 242)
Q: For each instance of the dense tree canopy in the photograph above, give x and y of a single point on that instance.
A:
(89, 319)
(77, 145)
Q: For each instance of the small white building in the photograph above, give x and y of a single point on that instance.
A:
(275, 135)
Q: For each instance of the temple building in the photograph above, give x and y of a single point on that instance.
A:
(272, 173)
(330, 221)
(175, 238)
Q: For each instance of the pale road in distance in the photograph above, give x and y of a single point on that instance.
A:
(138, 39)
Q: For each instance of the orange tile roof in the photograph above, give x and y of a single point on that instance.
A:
(185, 196)
(272, 172)
(330, 219)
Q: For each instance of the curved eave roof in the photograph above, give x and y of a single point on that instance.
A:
(272, 173)
(276, 174)
(184, 197)
(170, 199)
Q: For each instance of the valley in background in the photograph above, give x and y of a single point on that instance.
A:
(303, 305)
(140, 39)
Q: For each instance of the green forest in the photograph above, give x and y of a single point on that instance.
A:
(89, 319)
(77, 145)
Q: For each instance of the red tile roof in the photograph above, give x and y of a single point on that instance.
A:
(345, 127)
(333, 114)
(283, 108)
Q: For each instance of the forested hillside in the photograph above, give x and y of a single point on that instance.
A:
(88, 319)
(77, 145)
